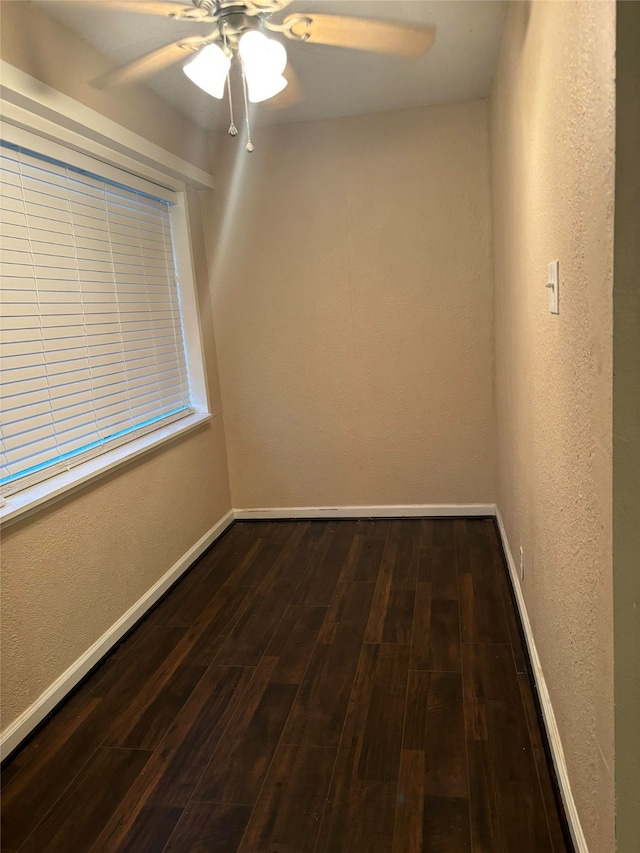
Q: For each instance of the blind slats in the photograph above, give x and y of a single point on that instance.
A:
(92, 351)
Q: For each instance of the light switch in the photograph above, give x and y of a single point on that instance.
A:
(553, 286)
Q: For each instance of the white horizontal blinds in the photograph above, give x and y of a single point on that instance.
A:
(92, 349)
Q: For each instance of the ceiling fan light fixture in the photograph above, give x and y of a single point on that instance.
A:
(262, 54)
(263, 61)
(209, 69)
(261, 88)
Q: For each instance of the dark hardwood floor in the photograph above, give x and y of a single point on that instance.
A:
(355, 686)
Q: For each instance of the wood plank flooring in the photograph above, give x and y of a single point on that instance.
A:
(308, 687)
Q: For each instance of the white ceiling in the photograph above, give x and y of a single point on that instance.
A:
(336, 82)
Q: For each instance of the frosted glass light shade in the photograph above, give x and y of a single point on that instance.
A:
(261, 53)
(263, 60)
(262, 88)
(208, 69)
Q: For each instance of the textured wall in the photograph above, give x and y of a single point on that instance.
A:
(626, 428)
(552, 140)
(70, 571)
(352, 302)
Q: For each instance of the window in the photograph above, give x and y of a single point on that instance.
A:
(93, 348)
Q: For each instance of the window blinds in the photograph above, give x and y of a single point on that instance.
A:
(92, 349)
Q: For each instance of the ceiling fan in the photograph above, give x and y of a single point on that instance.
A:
(237, 35)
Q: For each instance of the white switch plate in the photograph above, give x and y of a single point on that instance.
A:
(553, 286)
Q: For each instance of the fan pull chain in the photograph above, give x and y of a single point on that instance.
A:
(249, 145)
(233, 130)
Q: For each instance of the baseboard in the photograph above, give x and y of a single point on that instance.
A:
(551, 726)
(394, 511)
(23, 725)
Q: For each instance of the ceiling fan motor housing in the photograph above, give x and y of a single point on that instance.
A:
(233, 22)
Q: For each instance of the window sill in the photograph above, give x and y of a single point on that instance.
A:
(21, 504)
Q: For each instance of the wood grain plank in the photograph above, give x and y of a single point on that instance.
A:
(288, 812)
(35, 791)
(380, 604)
(174, 769)
(239, 764)
(161, 712)
(446, 825)
(485, 819)
(122, 683)
(207, 827)
(556, 830)
(379, 758)
(143, 700)
(319, 709)
(250, 636)
(56, 755)
(398, 623)
(321, 578)
(199, 583)
(368, 762)
(255, 628)
(347, 614)
(443, 533)
(486, 622)
(151, 830)
(475, 712)
(435, 724)
(216, 622)
(365, 554)
(267, 550)
(407, 533)
(392, 608)
(557, 825)
(467, 609)
(294, 641)
(364, 823)
(421, 632)
(444, 641)
(55, 731)
(519, 799)
(318, 713)
(94, 683)
(78, 817)
(407, 837)
(442, 574)
(198, 732)
(250, 570)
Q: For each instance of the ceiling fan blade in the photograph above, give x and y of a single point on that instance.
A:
(148, 64)
(289, 96)
(362, 33)
(267, 5)
(146, 7)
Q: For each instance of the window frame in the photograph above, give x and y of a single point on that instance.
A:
(32, 131)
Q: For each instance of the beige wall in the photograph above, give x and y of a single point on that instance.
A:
(70, 571)
(626, 429)
(352, 302)
(552, 138)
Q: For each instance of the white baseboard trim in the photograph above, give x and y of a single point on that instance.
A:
(553, 735)
(23, 725)
(395, 511)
